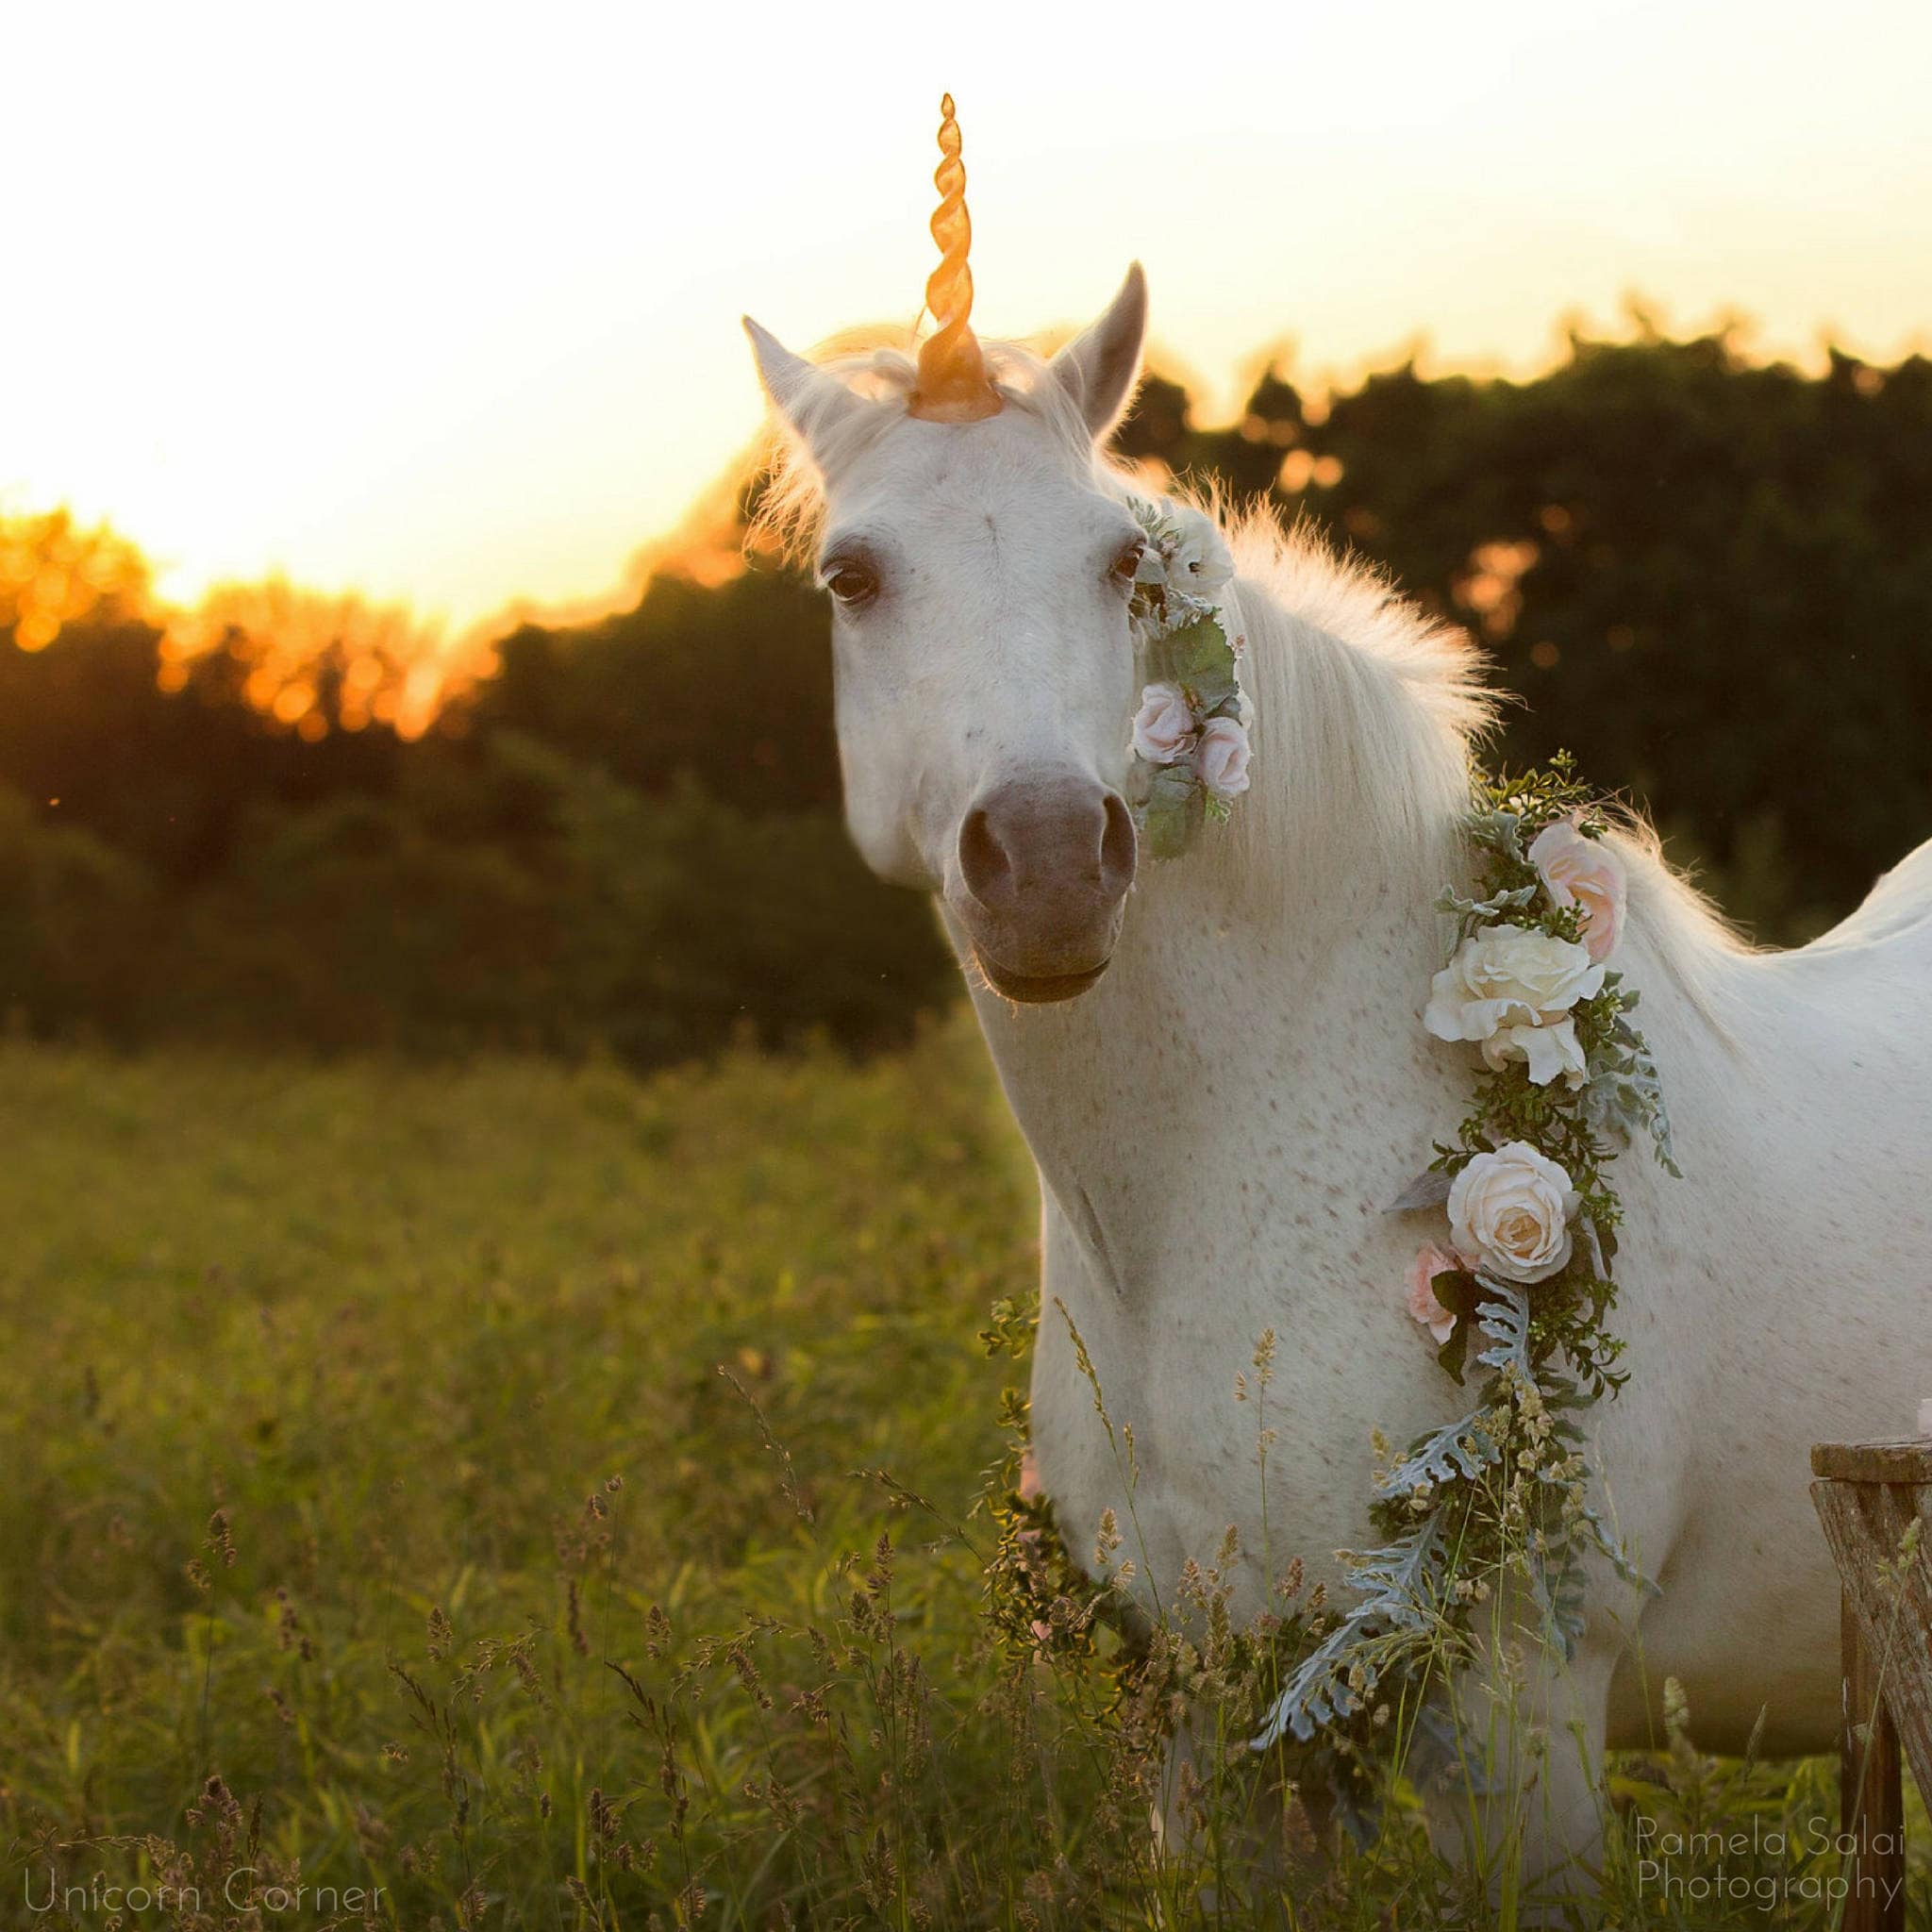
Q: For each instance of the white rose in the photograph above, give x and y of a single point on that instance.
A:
(1224, 757)
(1586, 872)
(1508, 975)
(1552, 1052)
(1164, 726)
(1509, 1213)
(1200, 564)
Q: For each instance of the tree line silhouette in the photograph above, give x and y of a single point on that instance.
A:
(1711, 578)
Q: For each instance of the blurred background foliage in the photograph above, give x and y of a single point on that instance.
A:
(289, 820)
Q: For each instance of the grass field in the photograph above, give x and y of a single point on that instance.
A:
(483, 1475)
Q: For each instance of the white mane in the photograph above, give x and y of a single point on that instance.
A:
(1373, 713)
(1368, 710)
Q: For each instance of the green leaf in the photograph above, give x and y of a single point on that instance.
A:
(1459, 1291)
(1172, 813)
(1199, 657)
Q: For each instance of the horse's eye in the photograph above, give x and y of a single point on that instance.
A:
(1128, 563)
(852, 583)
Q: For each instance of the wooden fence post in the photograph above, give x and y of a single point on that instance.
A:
(1874, 1500)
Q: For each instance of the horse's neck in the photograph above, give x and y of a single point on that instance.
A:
(1248, 1028)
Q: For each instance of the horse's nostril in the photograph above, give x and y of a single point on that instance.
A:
(983, 861)
(1117, 846)
(1048, 849)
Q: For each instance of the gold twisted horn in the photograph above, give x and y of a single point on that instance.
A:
(954, 385)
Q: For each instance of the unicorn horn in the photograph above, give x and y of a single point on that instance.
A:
(954, 385)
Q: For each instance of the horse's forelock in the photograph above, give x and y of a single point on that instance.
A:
(881, 368)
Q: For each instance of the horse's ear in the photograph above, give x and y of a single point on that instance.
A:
(810, 401)
(1101, 366)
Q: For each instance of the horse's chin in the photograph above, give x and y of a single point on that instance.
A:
(1037, 989)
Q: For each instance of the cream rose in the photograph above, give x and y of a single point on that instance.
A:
(1224, 757)
(1164, 726)
(1552, 1052)
(1509, 1213)
(1586, 872)
(1422, 1306)
(1508, 975)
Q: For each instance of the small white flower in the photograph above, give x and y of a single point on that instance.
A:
(1199, 563)
(1509, 1213)
(1508, 975)
(1224, 757)
(1164, 726)
(1551, 1051)
(1583, 872)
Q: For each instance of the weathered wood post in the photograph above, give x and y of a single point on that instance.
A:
(1874, 1500)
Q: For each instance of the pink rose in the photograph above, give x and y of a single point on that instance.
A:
(1586, 872)
(1164, 726)
(1422, 1304)
(1224, 757)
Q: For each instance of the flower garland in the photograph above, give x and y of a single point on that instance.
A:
(1518, 1286)
(1189, 738)
(1523, 1281)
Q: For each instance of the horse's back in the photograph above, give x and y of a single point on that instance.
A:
(1839, 1027)
(1897, 908)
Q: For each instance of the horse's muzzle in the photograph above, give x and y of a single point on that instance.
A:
(1044, 865)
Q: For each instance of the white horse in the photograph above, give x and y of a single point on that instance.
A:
(1219, 1064)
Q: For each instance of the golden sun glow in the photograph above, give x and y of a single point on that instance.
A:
(443, 307)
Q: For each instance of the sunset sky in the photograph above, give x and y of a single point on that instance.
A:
(442, 304)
